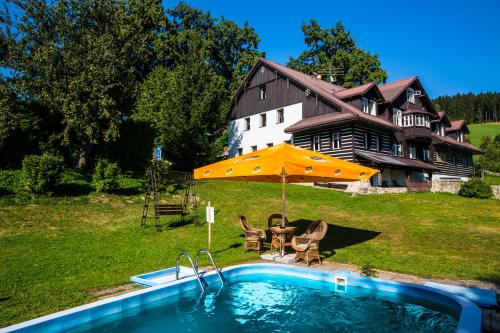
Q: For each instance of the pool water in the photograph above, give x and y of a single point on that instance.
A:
(275, 303)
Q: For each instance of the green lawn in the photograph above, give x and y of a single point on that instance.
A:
(53, 252)
(477, 131)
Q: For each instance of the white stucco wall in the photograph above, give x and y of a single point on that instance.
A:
(438, 176)
(260, 136)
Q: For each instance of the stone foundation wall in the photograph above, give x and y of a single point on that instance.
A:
(450, 186)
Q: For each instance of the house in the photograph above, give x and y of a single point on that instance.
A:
(392, 127)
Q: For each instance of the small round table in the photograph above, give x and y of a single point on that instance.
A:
(286, 234)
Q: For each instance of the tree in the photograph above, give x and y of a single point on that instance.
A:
(83, 60)
(230, 50)
(333, 50)
(185, 106)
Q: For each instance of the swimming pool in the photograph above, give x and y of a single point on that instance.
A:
(275, 298)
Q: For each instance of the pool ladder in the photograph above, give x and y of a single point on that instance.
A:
(196, 267)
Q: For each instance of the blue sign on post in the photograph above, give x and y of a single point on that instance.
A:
(157, 155)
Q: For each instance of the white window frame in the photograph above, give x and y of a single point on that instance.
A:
(247, 124)
(410, 120)
(427, 121)
(397, 150)
(262, 92)
(263, 120)
(336, 140)
(419, 120)
(412, 151)
(397, 117)
(410, 95)
(317, 143)
(366, 104)
(426, 154)
(377, 141)
(460, 136)
(280, 116)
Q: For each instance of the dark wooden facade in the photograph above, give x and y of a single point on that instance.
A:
(283, 91)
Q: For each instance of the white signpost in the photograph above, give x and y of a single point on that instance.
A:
(210, 214)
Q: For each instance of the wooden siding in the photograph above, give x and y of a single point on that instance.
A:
(345, 152)
(359, 139)
(280, 92)
(450, 169)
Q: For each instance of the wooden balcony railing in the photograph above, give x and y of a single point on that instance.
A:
(418, 186)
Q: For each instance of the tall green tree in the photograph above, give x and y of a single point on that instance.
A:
(230, 50)
(185, 106)
(334, 51)
(83, 60)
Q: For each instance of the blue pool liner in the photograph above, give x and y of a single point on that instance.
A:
(482, 297)
(469, 314)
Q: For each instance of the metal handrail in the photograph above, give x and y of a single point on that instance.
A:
(195, 268)
(212, 260)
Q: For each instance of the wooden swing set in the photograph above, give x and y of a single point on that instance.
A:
(171, 208)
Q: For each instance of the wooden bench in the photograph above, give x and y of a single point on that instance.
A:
(169, 209)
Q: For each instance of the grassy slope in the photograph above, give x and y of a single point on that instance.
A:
(477, 131)
(54, 252)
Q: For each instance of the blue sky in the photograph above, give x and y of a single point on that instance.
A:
(453, 46)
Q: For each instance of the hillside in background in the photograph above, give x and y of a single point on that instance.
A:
(484, 107)
(477, 131)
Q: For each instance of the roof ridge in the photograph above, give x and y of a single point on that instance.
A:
(398, 81)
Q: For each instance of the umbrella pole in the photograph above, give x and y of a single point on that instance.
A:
(283, 217)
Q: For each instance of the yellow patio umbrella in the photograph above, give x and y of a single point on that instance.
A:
(285, 163)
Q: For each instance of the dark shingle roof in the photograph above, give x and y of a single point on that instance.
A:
(450, 141)
(327, 91)
(392, 90)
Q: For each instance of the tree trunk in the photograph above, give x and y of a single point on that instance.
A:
(83, 158)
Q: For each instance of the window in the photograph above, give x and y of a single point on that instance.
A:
(427, 121)
(369, 106)
(396, 150)
(410, 95)
(254, 148)
(240, 152)
(247, 124)
(412, 151)
(467, 160)
(376, 141)
(397, 117)
(262, 92)
(441, 156)
(336, 140)
(366, 141)
(263, 120)
(439, 130)
(420, 120)
(410, 120)
(426, 154)
(280, 117)
(270, 144)
(460, 136)
(316, 143)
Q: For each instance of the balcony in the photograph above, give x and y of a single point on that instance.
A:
(417, 133)
(418, 186)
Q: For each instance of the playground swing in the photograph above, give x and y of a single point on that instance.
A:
(170, 208)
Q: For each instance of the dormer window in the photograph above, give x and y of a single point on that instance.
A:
(397, 117)
(460, 136)
(410, 95)
(369, 106)
(262, 92)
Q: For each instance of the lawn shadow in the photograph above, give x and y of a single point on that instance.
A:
(337, 237)
(73, 189)
(230, 247)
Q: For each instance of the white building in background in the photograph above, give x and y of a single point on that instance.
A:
(262, 130)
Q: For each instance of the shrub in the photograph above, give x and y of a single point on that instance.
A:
(368, 270)
(475, 188)
(39, 174)
(105, 176)
(9, 180)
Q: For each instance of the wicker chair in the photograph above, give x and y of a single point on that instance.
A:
(275, 220)
(307, 244)
(253, 237)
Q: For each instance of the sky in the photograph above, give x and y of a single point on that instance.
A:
(453, 46)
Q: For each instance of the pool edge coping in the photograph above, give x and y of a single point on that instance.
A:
(470, 320)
